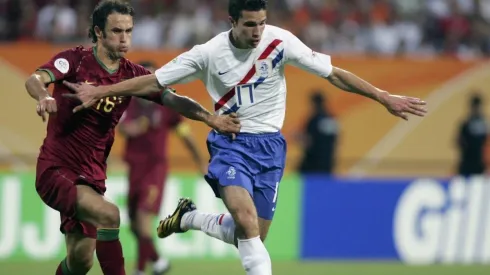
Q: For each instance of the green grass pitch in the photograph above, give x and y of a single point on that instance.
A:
(187, 267)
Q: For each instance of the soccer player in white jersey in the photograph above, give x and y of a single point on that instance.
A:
(243, 70)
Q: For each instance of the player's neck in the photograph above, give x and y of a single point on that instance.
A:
(235, 42)
(104, 57)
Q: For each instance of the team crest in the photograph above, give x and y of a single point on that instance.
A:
(263, 68)
(62, 65)
(231, 172)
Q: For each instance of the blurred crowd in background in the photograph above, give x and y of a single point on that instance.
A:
(385, 27)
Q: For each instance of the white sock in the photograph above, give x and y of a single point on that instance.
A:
(161, 264)
(255, 258)
(219, 226)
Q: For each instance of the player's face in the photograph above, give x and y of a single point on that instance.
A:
(118, 31)
(249, 28)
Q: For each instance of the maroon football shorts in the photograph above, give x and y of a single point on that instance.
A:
(146, 185)
(56, 186)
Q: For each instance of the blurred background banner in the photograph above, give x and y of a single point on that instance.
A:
(413, 220)
(29, 230)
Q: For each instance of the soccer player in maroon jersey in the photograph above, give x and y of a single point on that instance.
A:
(146, 126)
(71, 167)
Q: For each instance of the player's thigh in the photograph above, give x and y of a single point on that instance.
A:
(93, 208)
(147, 207)
(56, 187)
(76, 200)
(148, 197)
(80, 252)
(239, 203)
(266, 193)
(147, 183)
(151, 189)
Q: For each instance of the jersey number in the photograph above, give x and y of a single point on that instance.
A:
(108, 103)
(244, 95)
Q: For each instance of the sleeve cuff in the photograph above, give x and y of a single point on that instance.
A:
(51, 75)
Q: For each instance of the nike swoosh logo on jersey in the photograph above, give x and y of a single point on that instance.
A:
(221, 73)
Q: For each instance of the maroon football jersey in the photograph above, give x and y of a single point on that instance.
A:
(83, 140)
(152, 145)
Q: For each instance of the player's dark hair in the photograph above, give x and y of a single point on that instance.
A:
(103, 9)
(235, 7)
(476, 101)
(318, 100)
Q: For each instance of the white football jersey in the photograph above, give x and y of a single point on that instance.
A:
(249, 82)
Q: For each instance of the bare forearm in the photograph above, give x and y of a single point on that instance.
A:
(186, 106)
(36, 88)
(138, 86)
(349, 82)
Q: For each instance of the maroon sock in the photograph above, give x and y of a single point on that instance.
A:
(146, 252)
(152, 251)
(63, 268)
(58, 270)
(109, 252)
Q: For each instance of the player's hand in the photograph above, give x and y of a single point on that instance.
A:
(84, 92)
(225, 124)
(46, 104)
(401, 106)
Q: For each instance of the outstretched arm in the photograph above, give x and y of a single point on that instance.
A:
(184, 68)
(186, 106)
(349, 82)
(396, 105)
(138, 86)
(300, 55)
(189, 108)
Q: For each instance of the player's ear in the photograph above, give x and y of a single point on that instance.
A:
(233, 23)
(98, 32)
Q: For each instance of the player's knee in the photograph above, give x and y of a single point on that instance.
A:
(143, 224)
(144, 230)
(109, 216)
(141, 230)
(246, 221)
(80, 261)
